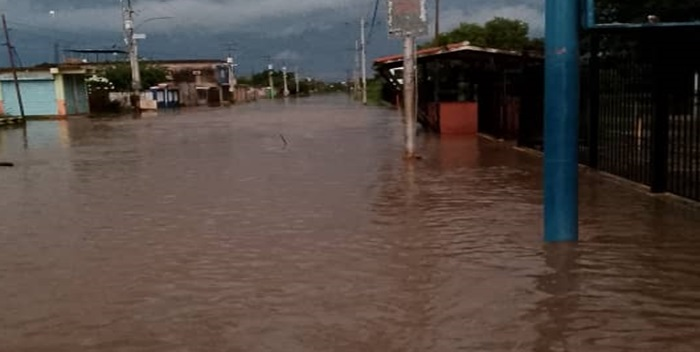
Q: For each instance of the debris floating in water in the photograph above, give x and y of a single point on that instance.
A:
(284, 140)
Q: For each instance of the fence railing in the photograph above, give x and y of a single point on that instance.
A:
(639, 113)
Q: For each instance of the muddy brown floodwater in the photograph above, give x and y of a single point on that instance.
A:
(203, 231)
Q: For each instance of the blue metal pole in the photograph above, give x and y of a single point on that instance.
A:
(561, 120)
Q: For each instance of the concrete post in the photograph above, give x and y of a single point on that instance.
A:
(284, 79)
(363, 48)
(409, 94)
(272, 81)
(133, 58)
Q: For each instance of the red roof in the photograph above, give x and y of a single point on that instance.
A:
(450, 48)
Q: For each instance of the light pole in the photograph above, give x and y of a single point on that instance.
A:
(286, 87)
(437, 22)
(363, 47)
(231, 66)
(129, 38)
(270, 67)
(296, 80)
(357, 69)
(56, 55)
(360, 75)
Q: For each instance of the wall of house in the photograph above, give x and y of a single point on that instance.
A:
(61, 104)
(38, 97)
(44, 94)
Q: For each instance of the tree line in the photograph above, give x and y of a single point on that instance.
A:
(510, 34)
(498, 33)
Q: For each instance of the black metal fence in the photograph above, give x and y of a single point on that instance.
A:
(639, 108)
(531, 131)
(684, 142)
(624, 123)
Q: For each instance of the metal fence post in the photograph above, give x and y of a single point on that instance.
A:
(594, 103)
(660, 133)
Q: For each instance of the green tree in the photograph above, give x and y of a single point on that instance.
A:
(473, 33)
(120, 76)
(152, 75)
(499, 33)
(503, 33)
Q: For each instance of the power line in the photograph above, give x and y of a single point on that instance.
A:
(374, 20)
(19, 59)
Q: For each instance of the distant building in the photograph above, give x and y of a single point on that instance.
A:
(198, 82)
(46, 91)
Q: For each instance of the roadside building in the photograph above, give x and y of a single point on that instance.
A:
(46, 91)
(466, 89)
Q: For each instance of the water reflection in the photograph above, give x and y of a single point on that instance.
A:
(202, 231)
(12, 138)
(555, 313)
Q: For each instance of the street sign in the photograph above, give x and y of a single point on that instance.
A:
(138, 36)
(407, 17)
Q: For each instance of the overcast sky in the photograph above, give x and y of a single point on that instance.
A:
(316, 35)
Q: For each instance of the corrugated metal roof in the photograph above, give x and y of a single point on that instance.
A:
(65, 69)
(450, 48)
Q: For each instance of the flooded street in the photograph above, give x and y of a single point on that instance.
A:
(298, 227)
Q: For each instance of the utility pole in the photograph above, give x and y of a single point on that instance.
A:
(363, 42)
(270, 67)
(409, 94)
(348, 79)
(296, 80)
(231, 67)
(230, 63)
(56, 55)
(128, 14)
(437, 22)
(10, 51)
(356, 76)
(286, 86)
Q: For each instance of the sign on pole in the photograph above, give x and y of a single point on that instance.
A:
(407, 17)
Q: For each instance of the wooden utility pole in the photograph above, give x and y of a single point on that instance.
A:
(409, 94)
(11, 53)
(133, 56)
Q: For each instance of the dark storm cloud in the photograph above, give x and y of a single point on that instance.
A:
(311, 33)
